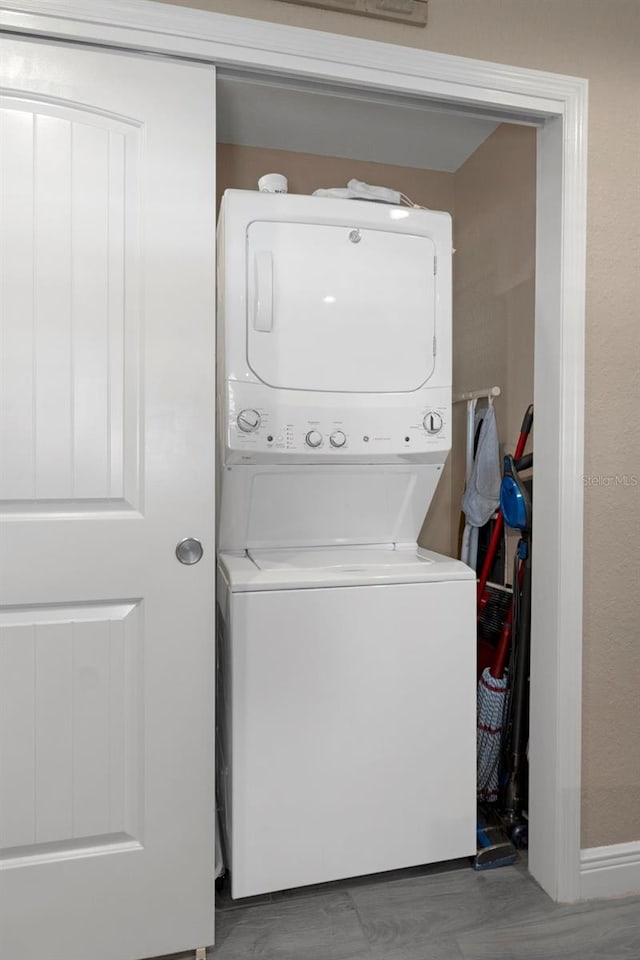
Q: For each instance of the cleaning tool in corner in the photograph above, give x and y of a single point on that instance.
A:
(492, 689)
(494, 849)
(493, 697)
(495, 616)
(492, 708)
(483, 596)
(515, 502)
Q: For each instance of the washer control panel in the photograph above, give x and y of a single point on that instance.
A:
(266, 425)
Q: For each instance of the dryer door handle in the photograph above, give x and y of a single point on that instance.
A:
(263, 292)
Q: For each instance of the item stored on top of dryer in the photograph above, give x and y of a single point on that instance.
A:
(359, 190)
(273, 183)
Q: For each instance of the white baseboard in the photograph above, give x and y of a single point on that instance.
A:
(610, 871)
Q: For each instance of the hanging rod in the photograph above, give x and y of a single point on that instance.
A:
(477, 394)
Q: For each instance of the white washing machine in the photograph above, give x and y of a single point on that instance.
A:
(346, 668)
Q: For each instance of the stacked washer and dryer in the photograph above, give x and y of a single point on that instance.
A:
(346, 653)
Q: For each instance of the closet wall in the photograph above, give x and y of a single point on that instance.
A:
(493, 289)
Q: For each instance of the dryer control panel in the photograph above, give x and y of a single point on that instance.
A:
(270, 426)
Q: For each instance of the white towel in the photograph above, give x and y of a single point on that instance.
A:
(359, 190)
(482, 496)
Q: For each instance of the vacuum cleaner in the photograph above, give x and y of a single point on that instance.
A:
(516, 506)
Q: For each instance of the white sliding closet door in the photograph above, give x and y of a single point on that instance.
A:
(107, 227)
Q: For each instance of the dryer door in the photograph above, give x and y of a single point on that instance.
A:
(338, 309)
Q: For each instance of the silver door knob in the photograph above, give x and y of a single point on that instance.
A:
(189, 551)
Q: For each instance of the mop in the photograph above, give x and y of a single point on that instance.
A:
(479, 503)
(494, 847)
(492, 707)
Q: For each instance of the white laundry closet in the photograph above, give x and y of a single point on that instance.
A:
(106, 680)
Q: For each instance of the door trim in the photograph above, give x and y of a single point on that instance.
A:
(557, 105)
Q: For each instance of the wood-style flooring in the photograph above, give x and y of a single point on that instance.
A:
(449, 913)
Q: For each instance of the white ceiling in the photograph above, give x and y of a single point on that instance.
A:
(362, 125)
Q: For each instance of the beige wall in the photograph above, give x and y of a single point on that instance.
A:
(598, 40)
(493, 285)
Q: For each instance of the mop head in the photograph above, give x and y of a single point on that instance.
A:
(492, 705)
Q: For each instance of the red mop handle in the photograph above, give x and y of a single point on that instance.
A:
(502, 650)
(525, 430)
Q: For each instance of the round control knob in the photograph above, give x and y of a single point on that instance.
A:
(248, 420)
(338, 438)
(313, 438)
(432, 422)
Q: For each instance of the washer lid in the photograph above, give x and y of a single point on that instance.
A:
(291, 569)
